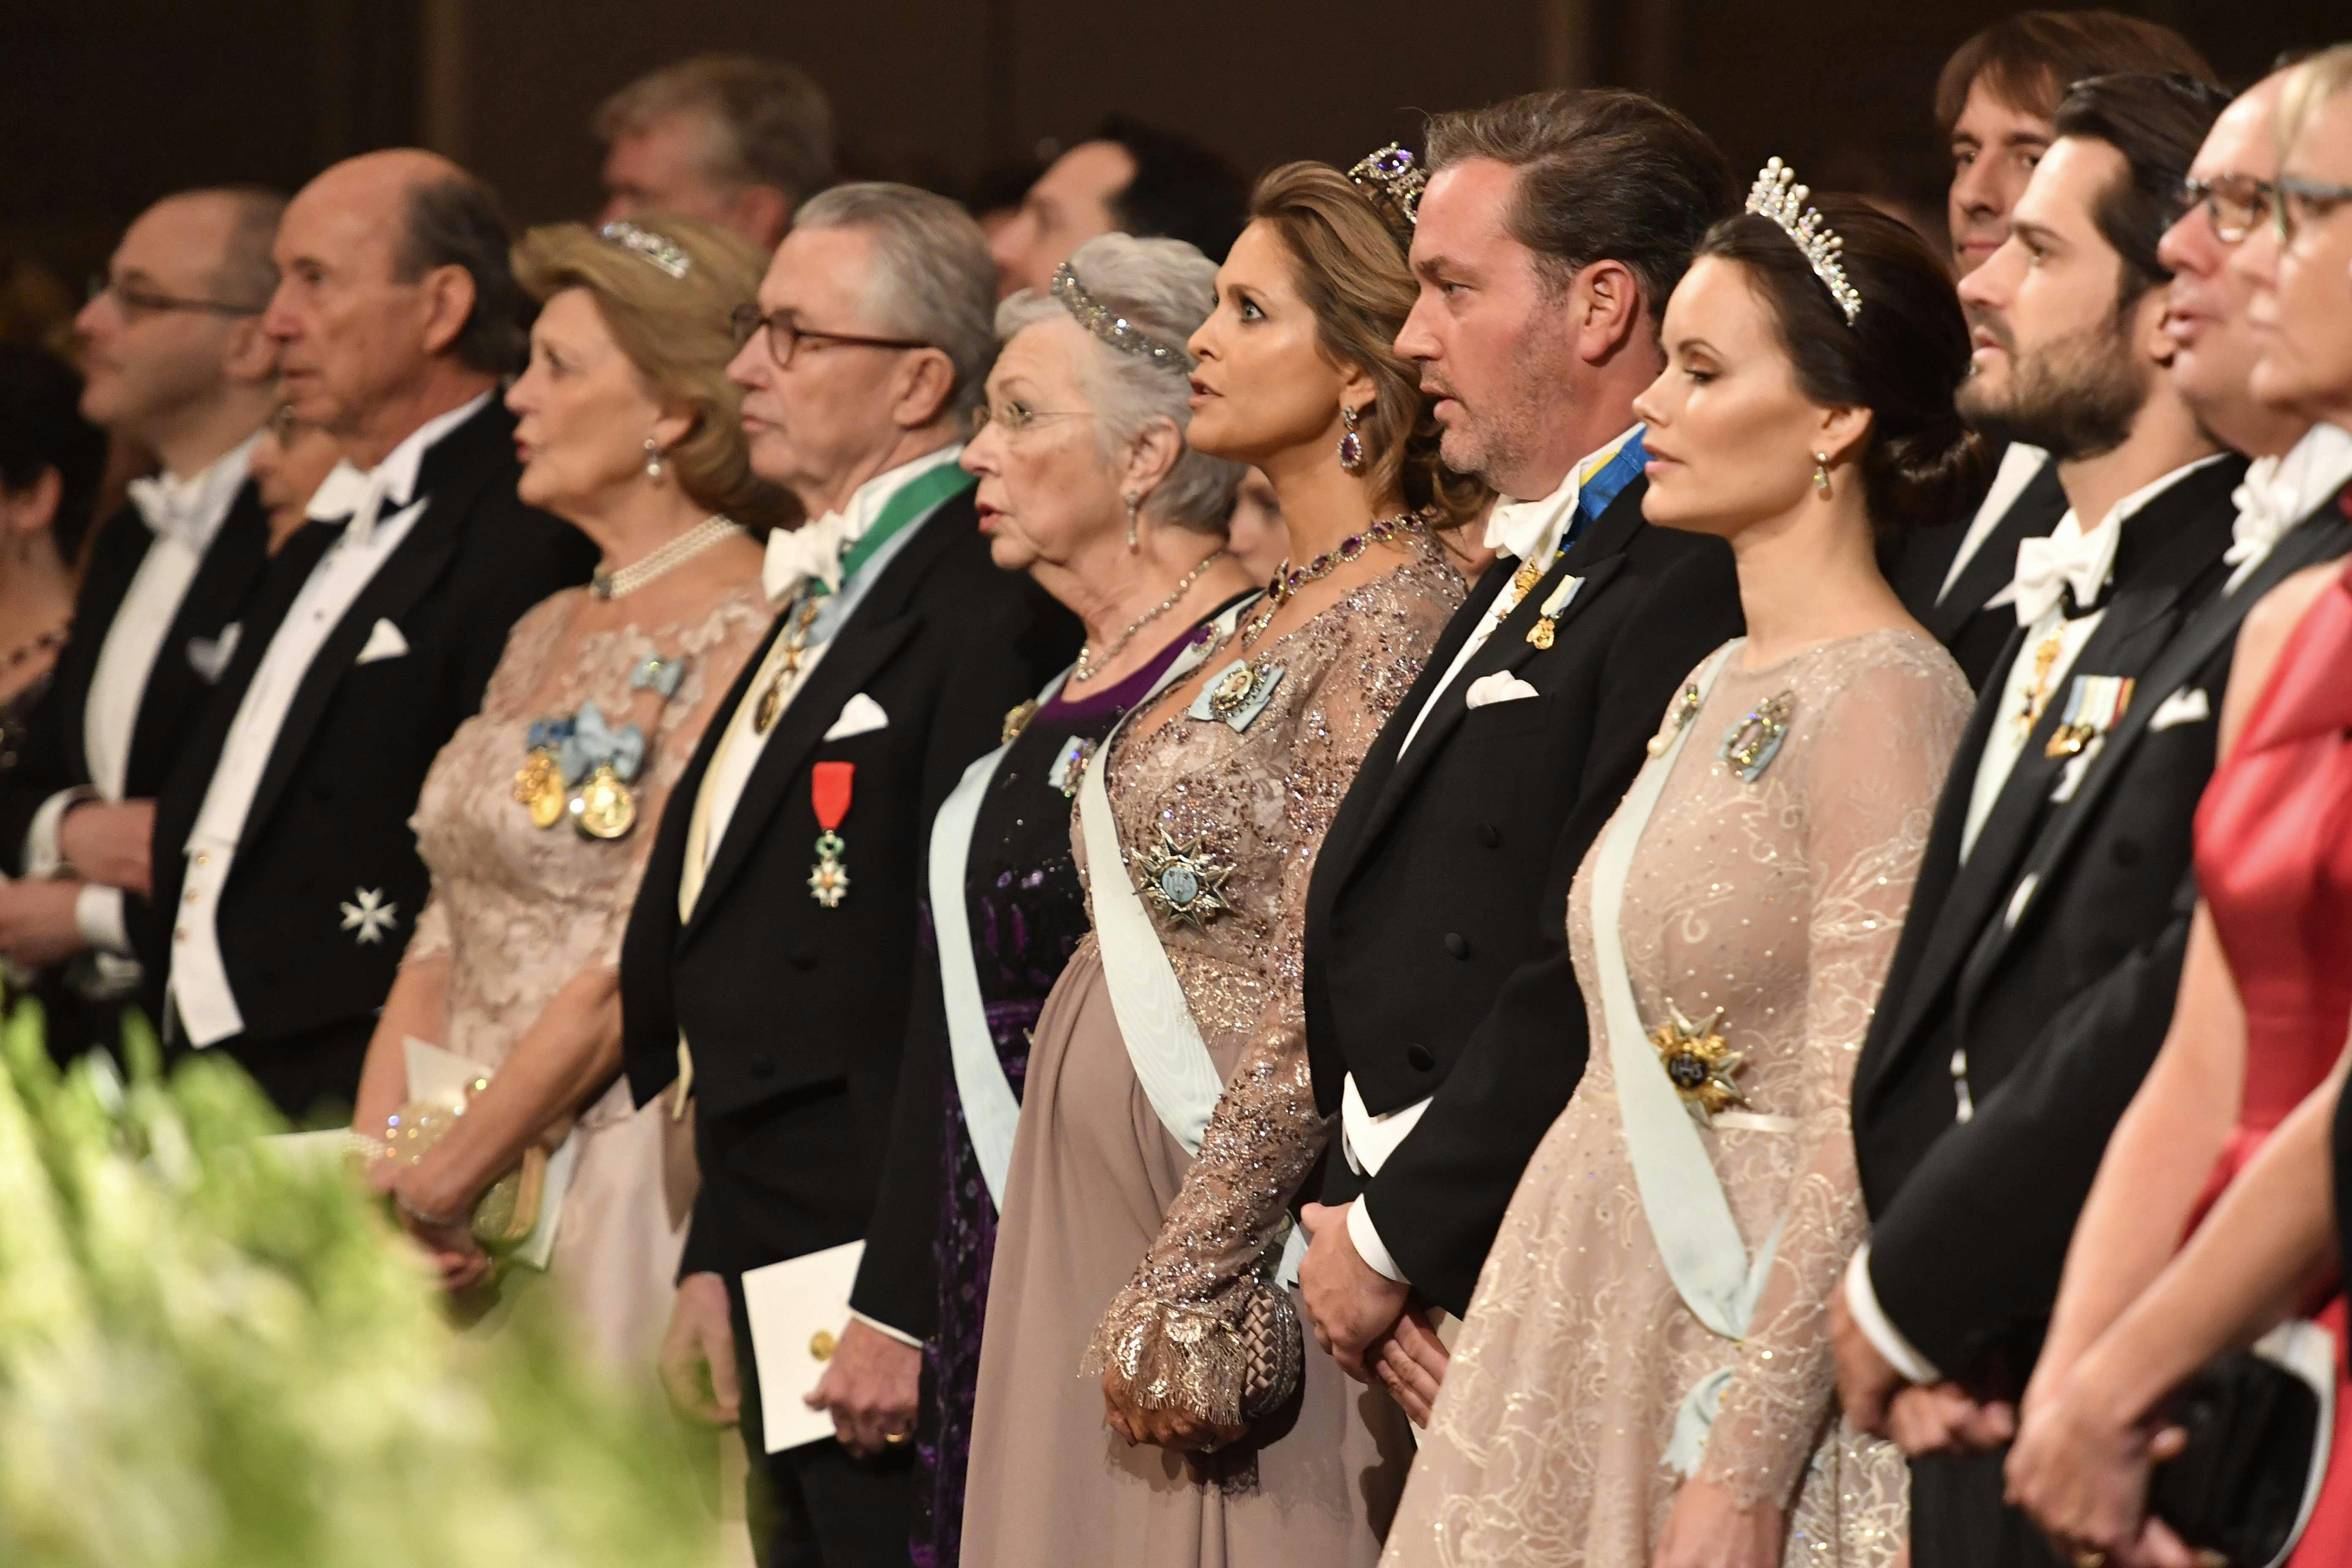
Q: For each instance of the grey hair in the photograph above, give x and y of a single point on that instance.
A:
(933, 280)
(1166, 288)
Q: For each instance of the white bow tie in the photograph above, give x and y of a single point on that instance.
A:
(173, 508)
(811, 551)
(2046, 568)
(2268, 506)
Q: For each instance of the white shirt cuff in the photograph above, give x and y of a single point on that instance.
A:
(42, 856)
(97, 911)
(1368, 1246)
(1861, 1301)
(879, 1327)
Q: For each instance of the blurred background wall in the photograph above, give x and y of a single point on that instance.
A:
(109, 103)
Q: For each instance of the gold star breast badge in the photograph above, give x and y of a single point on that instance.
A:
(1699, 1061)
(1183, 883)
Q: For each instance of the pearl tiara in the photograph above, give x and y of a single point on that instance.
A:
(1113, 328)
(1776, 196)
(662, 252)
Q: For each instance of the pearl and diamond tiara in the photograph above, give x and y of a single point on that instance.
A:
(1113, 328)
(1776, 196)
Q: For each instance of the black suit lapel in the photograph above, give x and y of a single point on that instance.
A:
(224, 581)
(2033, 514)
(121, 544)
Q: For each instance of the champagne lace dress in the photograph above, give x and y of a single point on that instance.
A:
(517, 911)
(1780, 901)
(1112, 1236)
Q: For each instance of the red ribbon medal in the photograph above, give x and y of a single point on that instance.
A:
(829, 788)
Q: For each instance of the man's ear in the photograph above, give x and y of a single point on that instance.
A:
(925, 386)
(1606, 308)
(252, 356)
(2154, 344)
(449, 305)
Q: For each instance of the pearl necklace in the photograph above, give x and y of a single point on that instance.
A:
(1288, 579)
(1089, 661)
(619, 584)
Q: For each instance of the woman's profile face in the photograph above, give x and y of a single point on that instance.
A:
(1047, 492)
(1263, 386)
(1730, 438)
(582, 412)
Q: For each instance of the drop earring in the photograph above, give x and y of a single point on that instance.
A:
(1134, 544)
(1821, 472)
(653, 459)
(1351, 444)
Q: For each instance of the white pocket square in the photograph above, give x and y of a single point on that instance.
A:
(860, 715)
(1500, 687)
(383, 642)
(2186, 706)
(209, 657)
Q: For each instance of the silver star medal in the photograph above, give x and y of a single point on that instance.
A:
(371, 917)
(1181, 882)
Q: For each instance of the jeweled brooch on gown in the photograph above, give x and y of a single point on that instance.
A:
(1699, 1061)
(1749, 746)
(1236, 694)
(1677, 719)
(1181, 882)
(1069, 768)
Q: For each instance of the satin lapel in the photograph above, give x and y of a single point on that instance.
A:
(121, 545)
(224, 580)
(412, 567)
(2324, 536)
(2033, 514)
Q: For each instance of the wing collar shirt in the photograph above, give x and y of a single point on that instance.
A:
(184, 514)
(1533, 532)
(387, 509)
(2280, 493)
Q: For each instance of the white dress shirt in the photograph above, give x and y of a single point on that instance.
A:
(186, 515)
(199, 982)
(2280, 493)
(2020, 465)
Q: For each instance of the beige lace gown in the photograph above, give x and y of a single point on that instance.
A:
(1780, 902)
(517, 911)
(1110, 1231)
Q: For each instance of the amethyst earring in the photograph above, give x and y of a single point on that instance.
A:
(1351, 444)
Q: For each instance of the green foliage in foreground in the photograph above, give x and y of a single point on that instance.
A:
(210, 1354)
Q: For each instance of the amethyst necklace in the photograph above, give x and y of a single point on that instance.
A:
(1290, 578)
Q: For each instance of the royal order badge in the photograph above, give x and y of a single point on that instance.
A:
(829, 790)
(1181, 882)
(1697, 1061)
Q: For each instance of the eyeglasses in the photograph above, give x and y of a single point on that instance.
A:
(785, 336)
(136, 302)
(1015, 417)
(2299, 202)
(2234, 203)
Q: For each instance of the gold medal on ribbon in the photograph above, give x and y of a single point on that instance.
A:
(1699, 1061)
(539, 786)
(605, 807)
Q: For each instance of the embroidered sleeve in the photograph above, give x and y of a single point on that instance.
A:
(1874, 771)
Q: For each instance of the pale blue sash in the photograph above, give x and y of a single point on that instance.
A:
(1172, 1062)
(1682, 1196)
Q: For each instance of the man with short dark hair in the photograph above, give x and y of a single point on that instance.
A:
(1126, 178)
(733, 139)
(2036, 972)
(1445, 1023)
(177, 363)
(1994, 104)
(285, 877)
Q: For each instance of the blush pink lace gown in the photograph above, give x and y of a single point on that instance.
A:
(517, 911)
(1779, 902)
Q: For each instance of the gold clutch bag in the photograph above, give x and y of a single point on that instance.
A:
(507, 1211)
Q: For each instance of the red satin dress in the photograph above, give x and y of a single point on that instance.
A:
(2275, 864)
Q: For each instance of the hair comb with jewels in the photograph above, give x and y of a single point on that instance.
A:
(663, 252)
(1776, 196)
(1393, 180)
(1113, 328)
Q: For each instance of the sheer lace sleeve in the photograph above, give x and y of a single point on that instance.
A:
(1874, 771)
(1202, 1327)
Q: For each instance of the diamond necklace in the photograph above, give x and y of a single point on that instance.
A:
(1290, 578)
(1089, 661)
(618, 585)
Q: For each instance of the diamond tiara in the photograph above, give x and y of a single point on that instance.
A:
(662, 253)
(1390, 176)
(1113, 328)
(1778, 196)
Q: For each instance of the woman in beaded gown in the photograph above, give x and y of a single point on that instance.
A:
(1209, 1434)
(628, 430)
(1109, 510)
(1631, 1386)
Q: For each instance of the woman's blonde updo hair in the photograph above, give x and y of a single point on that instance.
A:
(1351, 271)
(679, 333)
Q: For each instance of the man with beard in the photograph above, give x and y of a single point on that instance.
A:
(2047, 926)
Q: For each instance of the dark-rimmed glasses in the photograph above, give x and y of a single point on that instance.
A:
(2234, 203)
(136, 302)
(2299, 201)
(785, 336)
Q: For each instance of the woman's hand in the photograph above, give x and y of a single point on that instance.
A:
(448, 1241)
(1705, 1529)
(2083, 1474)
(1177, 1429)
